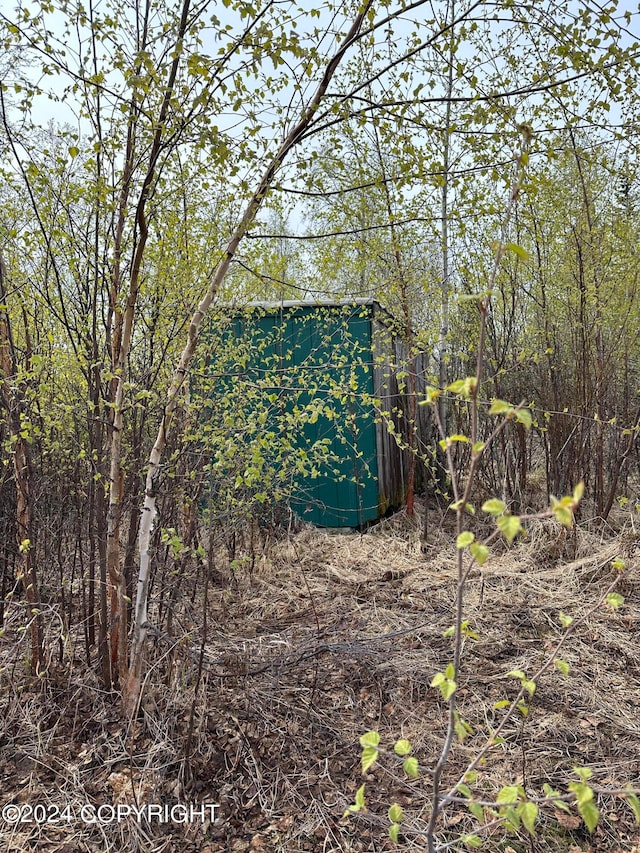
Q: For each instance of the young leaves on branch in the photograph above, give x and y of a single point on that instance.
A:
(584, 795)
(445, 682)
(369, 743)
(564, 509)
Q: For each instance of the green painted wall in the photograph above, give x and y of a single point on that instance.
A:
(291, 399)
(318, 359)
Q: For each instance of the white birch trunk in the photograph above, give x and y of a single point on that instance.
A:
(132, 691)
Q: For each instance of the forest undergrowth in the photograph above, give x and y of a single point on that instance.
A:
(317, 639)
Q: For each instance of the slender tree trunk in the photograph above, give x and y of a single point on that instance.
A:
(296, 134)
(443, 343)
(620, 461)
(405, 303)
(26, 572)
(121, 348)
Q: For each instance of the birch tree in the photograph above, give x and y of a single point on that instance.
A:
(244, 100)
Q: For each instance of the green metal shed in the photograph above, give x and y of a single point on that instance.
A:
(327, 378)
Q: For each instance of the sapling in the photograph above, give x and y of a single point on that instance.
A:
(513, 808)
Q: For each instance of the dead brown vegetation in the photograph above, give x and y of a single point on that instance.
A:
(330, 636)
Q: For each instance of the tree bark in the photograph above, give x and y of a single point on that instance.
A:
(26, 572)
(132, 691)
(120, 355)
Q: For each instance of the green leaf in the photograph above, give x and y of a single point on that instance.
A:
(494, 506)
(468, 631)
(582, 791)
(394, 832)
(470, 386)
(614, 600)
(462, 730)
(472, 840)
(509, 526)
(359, 803)
(410, 767)
(74, 151)
(562, 666)
(523, 416)
(396, 815)
(518, 251)
(464, 539)
(464, 387)
(456, 438)
(465, 790)
(558, 802)
(529, 815)
(402, 747)
(500, 407)
(369, 757)
(476, 810)
(480, 553)
(370, 739)
(511, 818)
(516, 673)
(447, 688)
(563, 515)
(457, 505)
(634, 804)
(565, 620)
(509, 794)
(590, 814)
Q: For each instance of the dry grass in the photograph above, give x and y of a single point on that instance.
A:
(332, 635)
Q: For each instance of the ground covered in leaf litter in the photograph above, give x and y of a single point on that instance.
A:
(330, 636)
